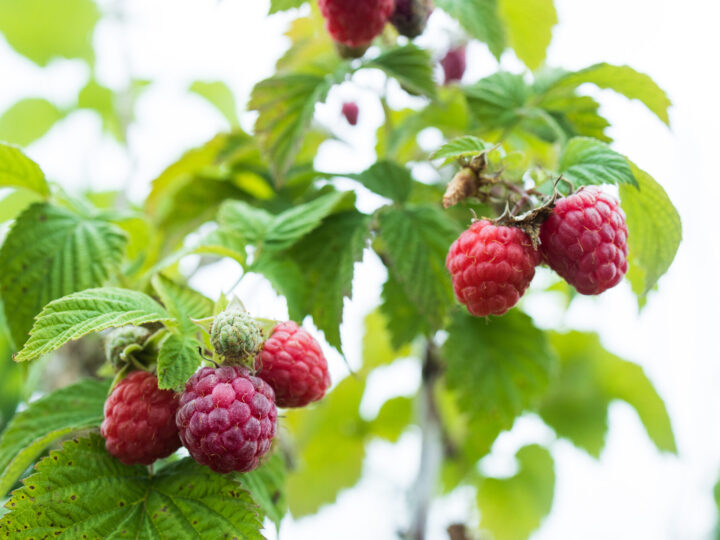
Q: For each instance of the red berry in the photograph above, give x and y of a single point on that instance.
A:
(585, 241)
(454, 64)
(139, 425)
(491, 267)
(227, 418)
(292, 362)
(350, 111)
(355, 22)
(410, 16)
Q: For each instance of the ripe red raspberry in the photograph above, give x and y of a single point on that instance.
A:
(227, 418)
(350, 111)
(139, 425)
(355, 22)
(454, 64)
(491, 267)
(292, 362)
(585, 241)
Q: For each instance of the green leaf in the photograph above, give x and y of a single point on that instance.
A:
(85, 312)
(529, 25)
(512, 508)
(388, 179)
(248, 221)
(286, 105)
(51, 252)
(654, 231)
(101, 99)
(404, 321)
(46, 420)
(626, 81)
(587, 161)
(480, 19)
(220, 96)
(182, 302)
(28, 120)
(498, 101)
(16, 202)
(266, 485)
(590, 378)
(495, 374)
(326, 258)
(378, 348)
(414, 244)
(462, 147)
(82, 490)
(60, 28)
(393, 419)
(410, 65)
(286, 278)
(18, 170)
(178, 359)
(283, 5)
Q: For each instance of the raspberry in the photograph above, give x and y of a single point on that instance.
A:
(355, 22)
(119, 339)
(454, 64)
(235, 334)
(139, 425)
(292, 362)
(491, 267)
(585, 241)
(350, 111)
(227, 418)
(410, 16)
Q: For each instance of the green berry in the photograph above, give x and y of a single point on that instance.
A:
(120, 339)
(236, 335)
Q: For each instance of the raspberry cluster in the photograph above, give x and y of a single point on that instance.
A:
(355, 23)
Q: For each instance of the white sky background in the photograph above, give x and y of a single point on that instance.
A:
(632, 492)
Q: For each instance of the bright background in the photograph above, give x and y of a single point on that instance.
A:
(632, 492)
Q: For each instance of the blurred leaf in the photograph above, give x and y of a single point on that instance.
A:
(626, 81)
(410, 65)
(177, 360)
(387, 179)
(590, 378)
(512, 508)
(588, 161)
(462, 147)
(45, 29)
(577, 115)
(18, 170)
(50, 252)
(414, 242)
(286, 278)
(481, 20)
(404, 321)
(497, 101)
(51, 417)
(529, 25)
(312, 49)
(283, 5)
(82, 490)
(393, 419)
(87, 311)
(654, 231)
(377, 347)
(101, 99)
(266, 485)
(182, 302)
(220, 96)
(17, 202)
(28, 120)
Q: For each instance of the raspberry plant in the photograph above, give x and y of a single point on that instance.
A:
(525, 168)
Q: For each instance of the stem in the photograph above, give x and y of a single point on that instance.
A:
(432, 447)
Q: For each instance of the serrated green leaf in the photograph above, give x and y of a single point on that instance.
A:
(82, 490)
(626, 81)
(178, 359)
(388, 179)
(283, 5)
(529, 25)
(286, 278)
(219, 95)
(578, 116)
(496, 374)
(654, 231)
(18, 170)
(250, 222)
(467, 146)
(85, 312)
(590, 378)
(326, 258)
(587, 161)
(512, 508)
(410, 65)
(481, 20)
(51, 417)
(182, 302)
(266, 485)
(60, 28)
(414, 243)
(51, 252)
(498, 101)
(28, 120)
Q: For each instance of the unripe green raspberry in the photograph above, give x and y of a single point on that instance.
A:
(119, 339)
(235, 334)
